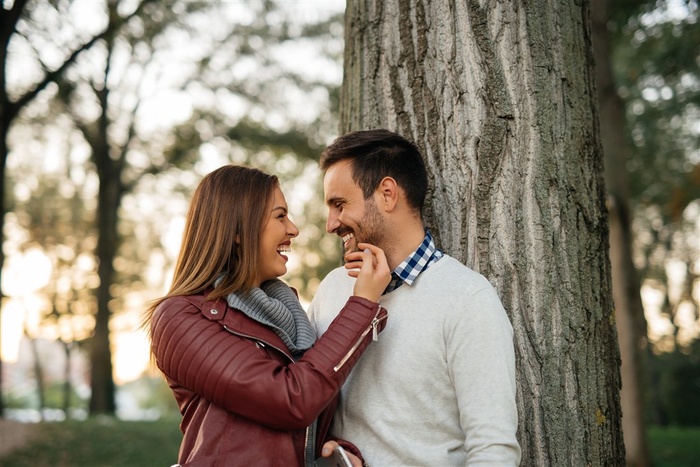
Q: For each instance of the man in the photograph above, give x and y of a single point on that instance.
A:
(438, 388)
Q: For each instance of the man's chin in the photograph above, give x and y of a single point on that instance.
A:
(350, 248)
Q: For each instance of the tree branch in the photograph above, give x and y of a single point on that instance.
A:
(9, 19)
(112, 27)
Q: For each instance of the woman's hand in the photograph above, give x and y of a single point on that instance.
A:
(370, 268)
(328, 448)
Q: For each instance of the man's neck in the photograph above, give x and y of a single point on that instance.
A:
(403, 242)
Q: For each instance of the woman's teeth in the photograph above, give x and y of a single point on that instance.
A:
(284, 249)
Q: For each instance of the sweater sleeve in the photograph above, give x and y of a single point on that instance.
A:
(482, 365)
(237, 374)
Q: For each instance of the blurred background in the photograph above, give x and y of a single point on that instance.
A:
(112, 111)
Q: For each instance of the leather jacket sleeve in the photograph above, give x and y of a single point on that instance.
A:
(235, 371)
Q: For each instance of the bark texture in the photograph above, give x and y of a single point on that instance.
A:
(500, 97)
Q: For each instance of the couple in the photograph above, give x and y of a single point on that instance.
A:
(433, 380)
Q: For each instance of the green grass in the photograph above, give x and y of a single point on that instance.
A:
(100, 442)
(107, 442)
(674, 446)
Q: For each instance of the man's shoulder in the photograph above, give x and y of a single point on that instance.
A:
(336, 279)
(449, 270)
(333, 290)
(454, 266)
(337, 275)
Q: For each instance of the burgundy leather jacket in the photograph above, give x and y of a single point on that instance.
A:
(243, 399)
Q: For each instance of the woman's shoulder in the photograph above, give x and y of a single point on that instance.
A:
(177, 303)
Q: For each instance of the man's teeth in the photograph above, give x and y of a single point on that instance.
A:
(284, 248)
(347, 237)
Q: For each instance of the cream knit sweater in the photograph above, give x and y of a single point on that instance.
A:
(438, 388)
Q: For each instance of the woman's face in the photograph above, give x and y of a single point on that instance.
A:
(275, 239)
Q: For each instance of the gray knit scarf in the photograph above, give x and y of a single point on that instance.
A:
(276, 305)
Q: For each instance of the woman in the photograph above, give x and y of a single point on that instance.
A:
(253, 384)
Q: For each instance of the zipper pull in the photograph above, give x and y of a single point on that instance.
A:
(375, 324)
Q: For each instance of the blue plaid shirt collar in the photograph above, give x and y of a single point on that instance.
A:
(407, 272)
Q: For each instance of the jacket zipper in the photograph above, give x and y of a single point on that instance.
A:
(306, 447)
(375, 337)
(257, 339)
(264, 343)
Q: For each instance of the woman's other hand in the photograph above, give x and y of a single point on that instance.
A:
(328, 448)
(370, 267)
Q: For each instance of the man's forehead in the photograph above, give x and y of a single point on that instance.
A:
(339, 176)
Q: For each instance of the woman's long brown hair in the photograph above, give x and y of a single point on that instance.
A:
(222, 234)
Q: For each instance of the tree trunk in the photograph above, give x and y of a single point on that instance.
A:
(500, 97)
(109, 199)
(4, 130)
(629, 312)
(38, 374)
(102, 381)
(8, 110)
(67, 386)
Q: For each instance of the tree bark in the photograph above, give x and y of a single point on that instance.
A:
(629, 312)
(500, 97)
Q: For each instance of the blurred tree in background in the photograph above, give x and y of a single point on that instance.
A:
(656, 64)
(657, 68)
(648, 83)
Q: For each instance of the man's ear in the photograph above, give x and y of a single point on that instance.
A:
(387, 194)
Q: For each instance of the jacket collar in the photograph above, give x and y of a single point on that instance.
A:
(237, 322)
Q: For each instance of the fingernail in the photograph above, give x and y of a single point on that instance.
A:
(367, 250)
(326, 451)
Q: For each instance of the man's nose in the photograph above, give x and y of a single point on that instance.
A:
(332, 223)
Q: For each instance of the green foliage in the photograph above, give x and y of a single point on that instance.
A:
(657, 70)
(100, 441)
(19, 399)
(54, 398)
(674, 447)
(153, 393)
(658, 74)
(54, 395)
(673, 387)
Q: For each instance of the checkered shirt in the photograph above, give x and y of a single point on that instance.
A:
(417, 262)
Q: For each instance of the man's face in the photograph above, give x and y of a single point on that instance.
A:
(350, 216)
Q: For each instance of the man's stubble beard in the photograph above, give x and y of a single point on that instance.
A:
(371, 228)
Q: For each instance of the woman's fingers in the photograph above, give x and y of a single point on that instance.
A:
(370, 268)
